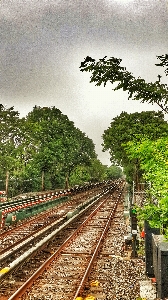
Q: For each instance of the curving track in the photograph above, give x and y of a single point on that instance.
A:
(65, 273)
(14, 241)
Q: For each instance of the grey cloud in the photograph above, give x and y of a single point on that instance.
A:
(42, 43)
(37, 37)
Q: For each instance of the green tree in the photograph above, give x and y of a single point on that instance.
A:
(153, 158)
(132, 127)
(109, 70)
(44, 142)
(146, 150)
(79, 175)
(60, 146)
(13, 149)
(97, 171)
(114, 172)
(9, 140)
(94, 172)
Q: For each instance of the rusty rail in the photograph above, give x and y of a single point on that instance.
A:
(18, 294)
(87, 272)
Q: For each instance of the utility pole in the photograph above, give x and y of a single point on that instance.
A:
(42, 181)
(133, 215)
(133, 193)
(7, 183)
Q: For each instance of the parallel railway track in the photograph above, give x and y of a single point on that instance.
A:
(83, 259)
(14, 241)
(63, 274)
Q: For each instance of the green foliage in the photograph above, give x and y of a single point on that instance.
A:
(46, 141)
(79, 176)
(138, 143)
(132, 127)
(95, 172)
(61, 147)
(136, 126)
(114, 172)
(109, 70)
(153, 157)
(9, 138)
(129, 171)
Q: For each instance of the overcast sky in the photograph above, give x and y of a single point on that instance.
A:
(42, 43)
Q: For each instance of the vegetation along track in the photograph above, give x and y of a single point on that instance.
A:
(74, 251)
(15, 241)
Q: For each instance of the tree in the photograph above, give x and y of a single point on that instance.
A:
(14, 149)
(132, 127)
(60, 146)
(79, 175)
(44, 142)
(94, 172)
(97, 171)
(147, 150)
(105, 70)
(114, 172)
(164, 62)
(153, 158)
(9, 140)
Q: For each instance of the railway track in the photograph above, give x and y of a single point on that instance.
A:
(115, 275)
(14, 241)
(63, 275)
(35, 261)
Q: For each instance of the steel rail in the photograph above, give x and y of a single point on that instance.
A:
(27, 237)
(87, 272)
(41, 244)
(19, 293)
(42, 215)
(32, 237)
(35, 231)
(35, 218)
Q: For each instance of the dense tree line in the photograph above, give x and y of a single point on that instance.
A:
(45, 150)
(135, 128)
(153, 157)
(139, 141)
